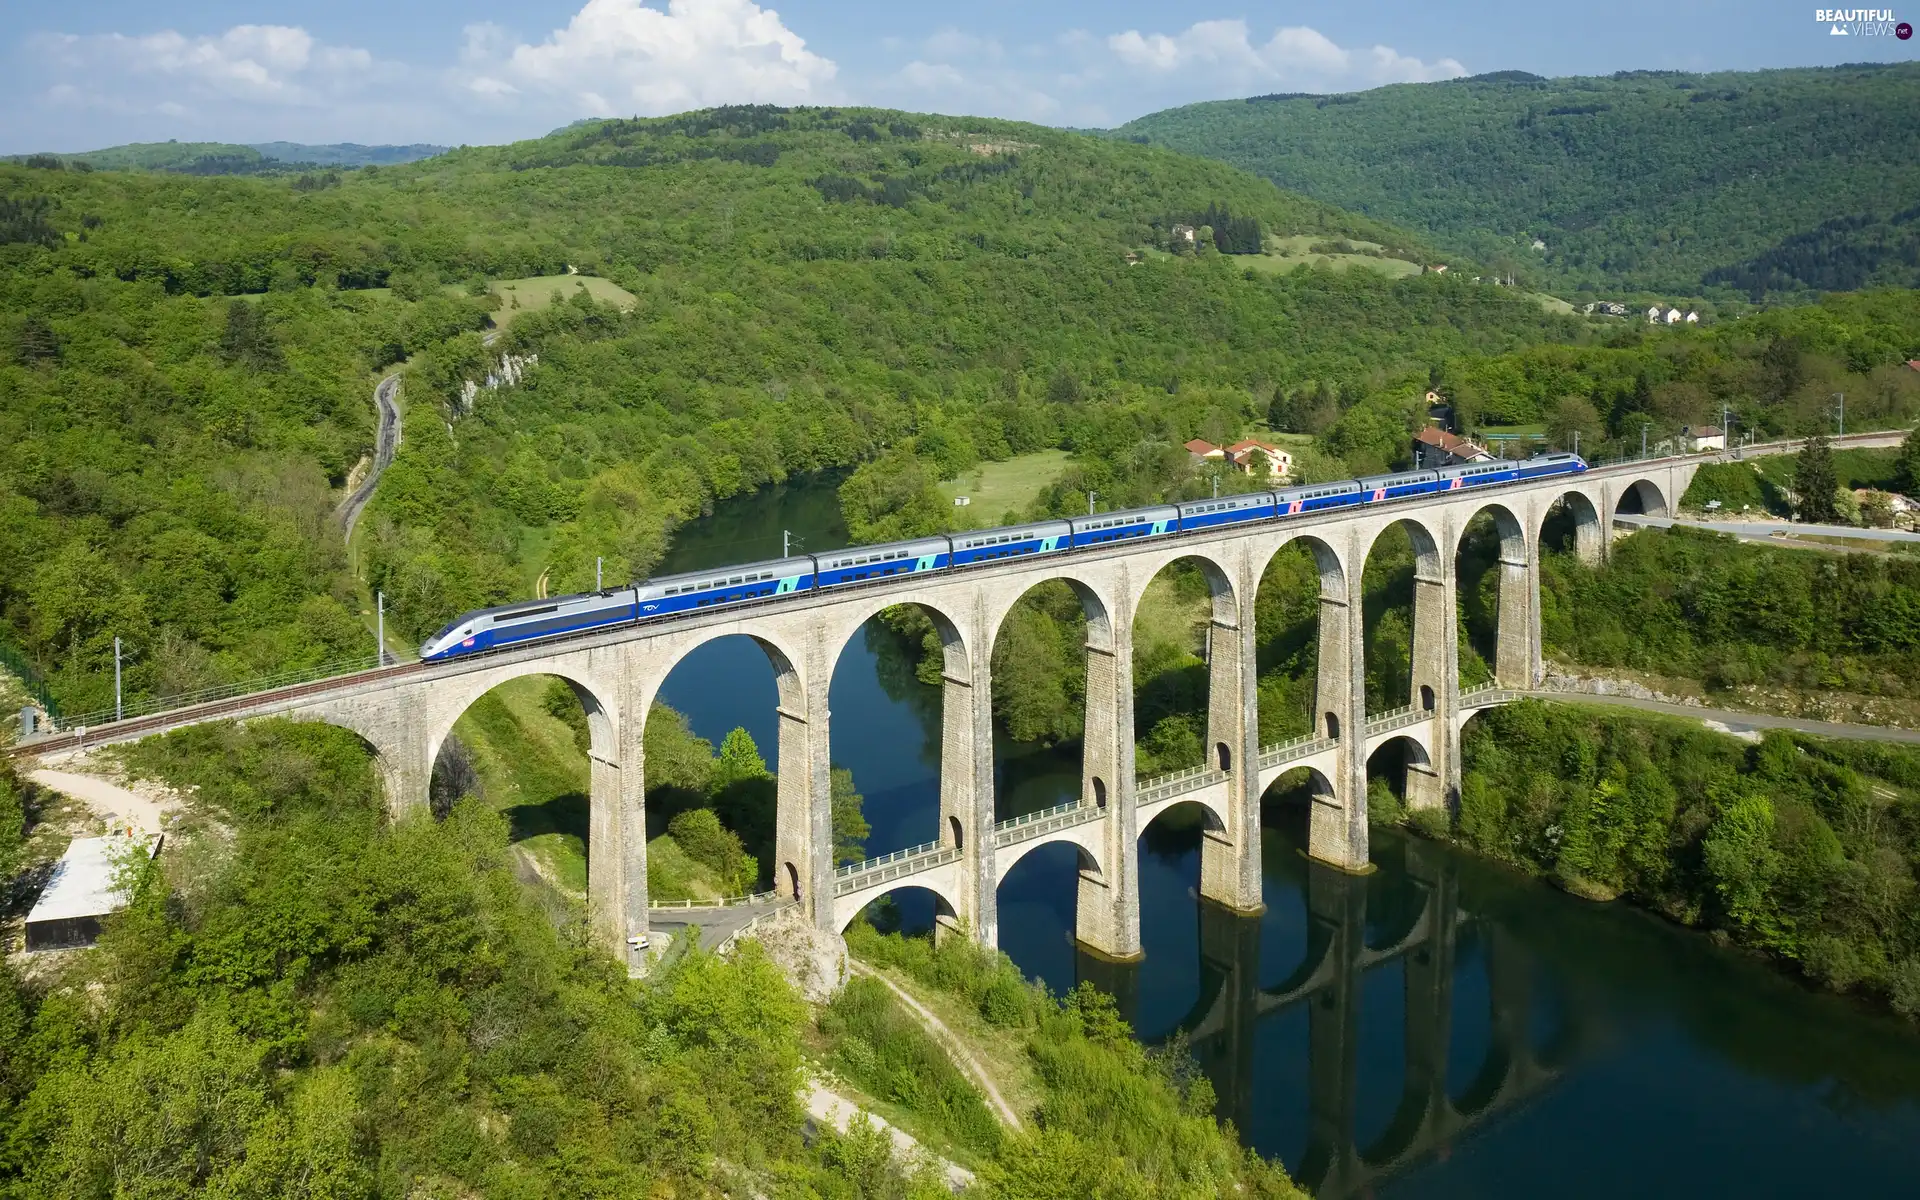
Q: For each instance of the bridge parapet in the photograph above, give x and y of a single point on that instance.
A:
(898, 865)
(1156, 788)
(1047, 820)
(1293, 749)
(1396, 718)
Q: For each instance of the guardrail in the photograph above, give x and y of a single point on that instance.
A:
(1300, 747)
(1047, 820)
(1178, 783)
(721, 902)
(892, 866)
(727, 943)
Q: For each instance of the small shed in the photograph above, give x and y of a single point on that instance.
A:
(82, 892)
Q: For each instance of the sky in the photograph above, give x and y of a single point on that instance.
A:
(483, 71)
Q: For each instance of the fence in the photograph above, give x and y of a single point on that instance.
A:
(227, 691)
(892, 866)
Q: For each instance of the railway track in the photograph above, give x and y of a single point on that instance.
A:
(76, 739)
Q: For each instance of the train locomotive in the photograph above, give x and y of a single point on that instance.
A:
(494, 628)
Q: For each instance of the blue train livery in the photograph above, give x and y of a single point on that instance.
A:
(1225, 510)
(987, 545)
(876, 562)
(494, 628)
(1129, 523)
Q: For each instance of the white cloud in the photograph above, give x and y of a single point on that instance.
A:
(1082, 78)
(620, 56)
(172, 74)
(1224, 55)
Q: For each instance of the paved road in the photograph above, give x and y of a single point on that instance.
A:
(1741, 722)
(1768, 532)
(712, 925)
(386, 440)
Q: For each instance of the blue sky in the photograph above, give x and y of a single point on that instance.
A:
(109, 71)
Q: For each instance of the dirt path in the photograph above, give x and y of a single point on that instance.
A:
(1728, 720)
(114, 803)
(833, 1109)
(387, 438)
(946, 1037)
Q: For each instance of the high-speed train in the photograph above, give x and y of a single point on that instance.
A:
(492, 628)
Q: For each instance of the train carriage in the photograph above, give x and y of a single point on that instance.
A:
(1130, 523)
(875, 562)
(489, 629)
(1291, 502)
(1478, 474)
(723, 585)
(1376, 488)
(986, 545)
(1225, 510)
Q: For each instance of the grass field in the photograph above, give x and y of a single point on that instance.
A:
(531, 771)
(536, 292)
(995, 489)
(1286, 253)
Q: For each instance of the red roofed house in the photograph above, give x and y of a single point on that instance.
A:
(1914, 363)
(1435, 447)
(1248, 457)
(1258, 458)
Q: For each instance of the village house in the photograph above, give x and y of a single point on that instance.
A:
(1693, 318)
(1435, 447)
(1653, 315)
(1673, 315)
(1247, 457)
(1182, 235)
(1703, 437)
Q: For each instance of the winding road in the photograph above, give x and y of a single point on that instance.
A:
(387, 439)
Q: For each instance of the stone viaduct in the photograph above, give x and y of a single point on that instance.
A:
(406, 713)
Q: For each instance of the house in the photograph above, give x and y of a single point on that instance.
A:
(1703, 437)
(1653, 315)
(1538, 244)
(1182, 235)
(1693, 318)
(1258, 458)
(1914, 363)
(1673, 315)
(1203, 451)
(1435, 447)
(1441, 269)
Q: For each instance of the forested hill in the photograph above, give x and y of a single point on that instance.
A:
(186, 363)
(1661, 181)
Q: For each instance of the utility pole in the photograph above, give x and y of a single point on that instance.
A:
(1091, 497)
(596, 571)
(1842, 398)
(116, 679)
(1216, 487)
(786, 543)
(380, 627)
(1576, 443)
(1643, 438)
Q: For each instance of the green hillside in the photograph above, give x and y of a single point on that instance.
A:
(809, 288)
(1737, 183)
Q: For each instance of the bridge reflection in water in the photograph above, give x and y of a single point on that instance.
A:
(1469, 1038)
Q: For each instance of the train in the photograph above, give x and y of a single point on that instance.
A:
(494, 628)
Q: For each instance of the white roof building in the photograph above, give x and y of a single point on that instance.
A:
(82, 891)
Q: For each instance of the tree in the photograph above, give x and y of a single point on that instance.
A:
(1906, 466)
(850, 828)
(1814, 482)
(1571, 416)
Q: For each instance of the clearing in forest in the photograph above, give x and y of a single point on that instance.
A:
(995, 489)
(536, 292)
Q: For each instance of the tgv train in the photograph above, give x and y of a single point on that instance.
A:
(492, 628)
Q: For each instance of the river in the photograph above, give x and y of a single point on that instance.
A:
(1439, 1028)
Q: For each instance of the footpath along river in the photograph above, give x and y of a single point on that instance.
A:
(1439, 1028)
